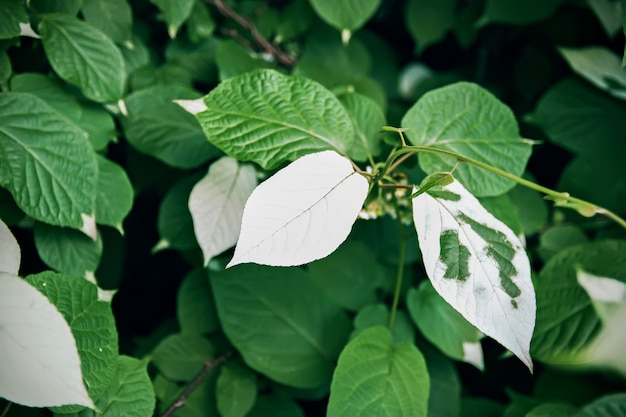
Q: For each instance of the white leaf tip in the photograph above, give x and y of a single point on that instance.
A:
(192, 106)
(89, 226)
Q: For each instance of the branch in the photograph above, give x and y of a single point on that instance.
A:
(179, 402)
(281, 56)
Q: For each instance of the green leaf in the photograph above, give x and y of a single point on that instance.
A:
(503, 209)
(445, 387)
(234, 59)
(48, 165)
(70, 7)
(478, 265)
(269, 118)
(115, 194)
(113, 17)
(367, 118)
(429, 20)
(130, 393)
(531, 208)
(443, 326)
(174, 223)
(235, 391)
(12, 13)
(466, 119)
(613, 405)
(567, 322)
(40, 364)
(201, 402)
(6, 69)
(480, 407)
(67, 250)
(200, 24)
(349, 276)
(519, 13)
(275, 406)
(92, 324)
(435, 181)
(558, 238)
(347, 15)
(281, 323)
(198, 60)
(158, 127)
(175, 12)
(180, 357)
(195, 305)
(83, 56)
(378, 315)
(295, 19)
(374, 377)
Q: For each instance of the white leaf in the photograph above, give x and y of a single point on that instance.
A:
(10, 255)
(607, 294)
(40, 366)
(216, 204)
(302, 213)
(477, 265)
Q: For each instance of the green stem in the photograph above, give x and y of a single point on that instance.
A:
(558, 196)
(400, 274)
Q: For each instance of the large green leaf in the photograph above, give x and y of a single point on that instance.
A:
(67, 250)
(345, 15)
(48, 165)
(443, 326)
(12, 13)
(281, 323)
(175, 12)
(466, 119)
(567, 322)
(91, 322)
(114, 198)
(269, 118)
(113, 17)
(445, 385)
(376, 378)
(83, 56)
(158, 127)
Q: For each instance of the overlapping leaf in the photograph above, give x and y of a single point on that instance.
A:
(12, 13)
(347, 15)
(468, 120)
(302, 213)
(269, 118)
(477, 265)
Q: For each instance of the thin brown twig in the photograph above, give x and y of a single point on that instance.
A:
(179, 402)
(283, 57)
(237, 36)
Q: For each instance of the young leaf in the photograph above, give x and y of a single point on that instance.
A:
(477, 265)
(302, 213)
(235, 391)
(346, 15)
(374, 377)
(10, 254)
(83, 56)
(91, 322)
(160, 128)
(269, 118)
(466, 119)
(40, 365)
(281, 323)
(48, 165)
(216, 204)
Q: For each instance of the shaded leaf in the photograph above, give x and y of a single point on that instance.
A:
(180, 357)
(347, 15)
(195, 305)
(114, 198)
(175, 12)
(235, 391)
(113, 17)
(12, 13)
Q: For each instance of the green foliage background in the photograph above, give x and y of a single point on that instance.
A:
(106, 140)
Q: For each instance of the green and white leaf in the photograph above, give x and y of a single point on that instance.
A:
(67, 250)
(10, 253)
(216, 205)
(302, 213)
(180, 357)
(12, 13)
(269, 118)
(374, 377)
(83, 56)
(158, 127)
(40, 364)
(114, 198)
(478, 265)
(46, 163)
(346, 15)
(600, 66)
(113, 17)
(443, 326)
(467, 119)
(281, 323)
(175, 12)
(235, 391)
(91, 322)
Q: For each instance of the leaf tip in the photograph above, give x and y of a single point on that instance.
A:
(192, 106)
(89, 226)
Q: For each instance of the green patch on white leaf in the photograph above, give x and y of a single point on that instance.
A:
(40, 364)
(302, 213)
(478, 265)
